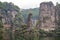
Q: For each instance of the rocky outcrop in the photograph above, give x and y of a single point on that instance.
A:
(57, 7)
(47, 16)
(9, 17)
(29, 21)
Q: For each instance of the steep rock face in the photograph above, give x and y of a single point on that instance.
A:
(29, 23)
(9, 17)
(57, 7)
(9, 11)
(47, 16)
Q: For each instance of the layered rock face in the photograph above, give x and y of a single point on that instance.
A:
(47, 16)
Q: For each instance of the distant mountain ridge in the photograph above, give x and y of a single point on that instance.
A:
(34, 11)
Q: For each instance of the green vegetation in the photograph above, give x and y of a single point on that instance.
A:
(34, 11)
(8, 33)
(8, 6)
(21, 31)
(1, 30)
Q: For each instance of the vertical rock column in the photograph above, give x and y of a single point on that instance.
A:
(29, 22)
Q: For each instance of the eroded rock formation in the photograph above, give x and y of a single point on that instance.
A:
(47, 16)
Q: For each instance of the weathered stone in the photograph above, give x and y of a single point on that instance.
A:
(47, 16)
(29, 20)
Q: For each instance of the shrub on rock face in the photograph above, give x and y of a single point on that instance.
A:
(1, 30)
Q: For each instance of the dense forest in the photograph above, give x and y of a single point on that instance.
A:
(21, 31)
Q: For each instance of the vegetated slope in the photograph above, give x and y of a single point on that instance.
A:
(34, 11)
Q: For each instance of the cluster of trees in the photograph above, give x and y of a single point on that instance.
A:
(8, 6)
(1, 30)
(21, 31)
(8, 33)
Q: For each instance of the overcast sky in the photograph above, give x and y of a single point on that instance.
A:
(26, 4)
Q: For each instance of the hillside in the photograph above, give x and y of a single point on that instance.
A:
(34, 11)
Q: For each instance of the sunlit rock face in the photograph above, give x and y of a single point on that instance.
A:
(47, 16)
